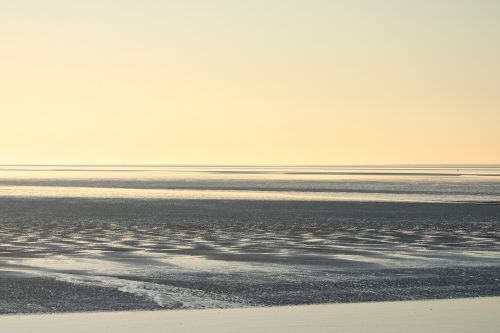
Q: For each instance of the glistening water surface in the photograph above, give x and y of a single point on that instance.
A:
(75, 238)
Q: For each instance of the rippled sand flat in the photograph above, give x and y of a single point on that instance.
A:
(93, 252)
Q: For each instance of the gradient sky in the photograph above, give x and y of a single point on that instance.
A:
(249, 82)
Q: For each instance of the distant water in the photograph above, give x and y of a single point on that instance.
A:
(90, 238)
(411, 184)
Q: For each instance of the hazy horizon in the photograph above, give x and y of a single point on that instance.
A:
(201, 165)
(391, 165)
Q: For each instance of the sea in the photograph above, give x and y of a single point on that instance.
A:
(79, 238)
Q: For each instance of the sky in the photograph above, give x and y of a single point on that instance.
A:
(249, 82)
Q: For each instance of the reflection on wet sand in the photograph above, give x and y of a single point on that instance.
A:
(82, 240)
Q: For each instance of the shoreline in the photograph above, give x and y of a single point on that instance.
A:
(445, 315)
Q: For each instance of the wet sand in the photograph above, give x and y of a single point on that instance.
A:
(73, 254)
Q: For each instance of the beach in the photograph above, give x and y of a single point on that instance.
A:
(480, 315)
(249, 166)
(72, 241)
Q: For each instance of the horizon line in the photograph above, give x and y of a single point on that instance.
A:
(463, 165)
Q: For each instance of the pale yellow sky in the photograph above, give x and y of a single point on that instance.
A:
(249, 82)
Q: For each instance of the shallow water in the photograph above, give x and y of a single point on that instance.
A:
(108, 238)
(412, 184)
